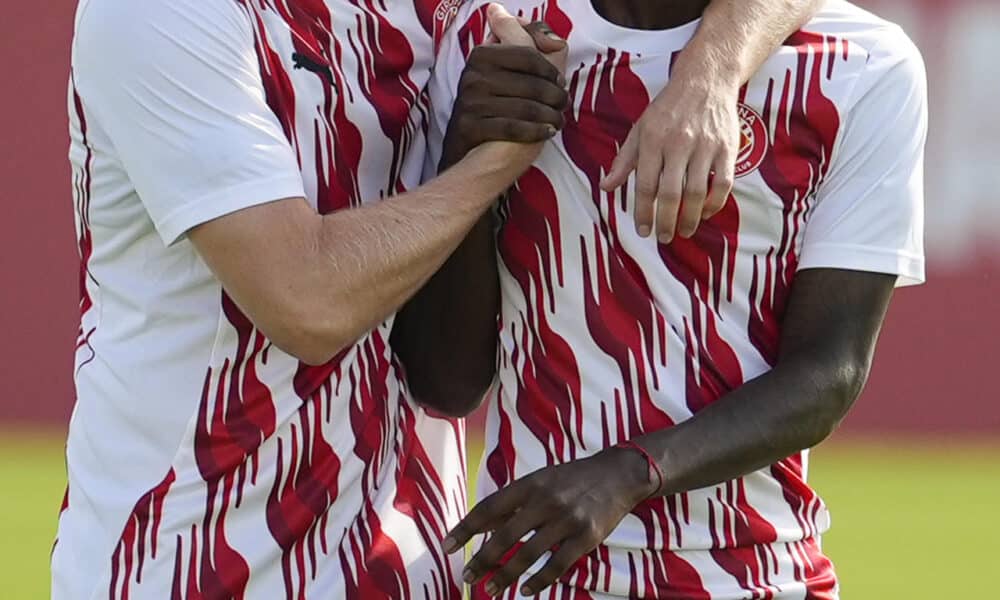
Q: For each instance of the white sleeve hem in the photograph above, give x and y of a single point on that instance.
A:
(223, 202)
(908, 267)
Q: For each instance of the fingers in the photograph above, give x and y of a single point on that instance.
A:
(499, 544)
(491, 80)
(668, 198)
(545, 40)
(623, 166)
(506, 27)
(540, 543)
(674, 191)
(560, 562)
(527, 108)
(504, 129)
(501, 503)
(720, 185)
(519, 59)
(648, 169)
(695, 194)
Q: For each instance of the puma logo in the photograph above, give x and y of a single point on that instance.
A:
(301, 61)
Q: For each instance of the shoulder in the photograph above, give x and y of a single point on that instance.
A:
(863, 30)
(122, 37)
(880, 50)
(840, 56)
(139, 26)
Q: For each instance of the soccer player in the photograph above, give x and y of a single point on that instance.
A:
(656, 400)
(250, 218)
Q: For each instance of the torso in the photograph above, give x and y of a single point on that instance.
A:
(606, 335)
(206, 461)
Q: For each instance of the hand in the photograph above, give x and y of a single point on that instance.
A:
(512, 89)
(571, 508)
(683, 151)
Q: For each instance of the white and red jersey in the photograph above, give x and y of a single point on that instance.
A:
(203, 461)
(606, 335)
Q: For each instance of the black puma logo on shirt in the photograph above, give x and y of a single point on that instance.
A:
(302, 61)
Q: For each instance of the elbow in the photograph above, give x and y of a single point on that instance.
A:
(456, 404)
(312, 337)
(309, 347)
(308, 351)
(843, 387)
(446, 376)
(451, 395)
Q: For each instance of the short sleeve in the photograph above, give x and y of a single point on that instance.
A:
(176, 86)
(869, 213)
(467, 30)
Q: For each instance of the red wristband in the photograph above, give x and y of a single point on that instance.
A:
(654, 468)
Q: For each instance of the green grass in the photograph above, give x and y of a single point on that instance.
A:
(32, 482)
(913, 519)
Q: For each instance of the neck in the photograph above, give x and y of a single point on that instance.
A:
(650, 14)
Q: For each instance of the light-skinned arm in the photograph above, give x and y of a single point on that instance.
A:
(313, 284)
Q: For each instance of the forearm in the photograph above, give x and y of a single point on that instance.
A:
(446, 335)
(350, 270)
(736, 37)
(792, 407)
(401, 243)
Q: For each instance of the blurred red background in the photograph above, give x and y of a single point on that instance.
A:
(934, 370)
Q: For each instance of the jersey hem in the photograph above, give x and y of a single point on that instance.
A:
(910, 268)
(223, 202)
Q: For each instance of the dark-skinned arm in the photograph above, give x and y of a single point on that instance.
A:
(829, 333)
(830, 329)
(446, 335)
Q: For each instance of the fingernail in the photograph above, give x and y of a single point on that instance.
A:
(468, 576)
(552, 131)
(527, 591)
(666, 239)
(491, 589)
(450, 545)
(644, 231)
(547, 30)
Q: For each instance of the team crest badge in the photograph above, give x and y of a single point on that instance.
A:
(447, 10)
(753, 141)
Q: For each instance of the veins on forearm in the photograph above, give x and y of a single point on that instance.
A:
(736, 36)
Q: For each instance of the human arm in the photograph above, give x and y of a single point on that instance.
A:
(446, 335)
(691, 129)
(828, 339)
(863, 236)
(189, 121)
(316, 283)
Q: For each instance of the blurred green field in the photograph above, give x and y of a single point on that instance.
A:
(913, 520)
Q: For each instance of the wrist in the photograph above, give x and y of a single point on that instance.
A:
(484, 174)
(641, 478)
(707, 64)
(709, 76)
(503, 161)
